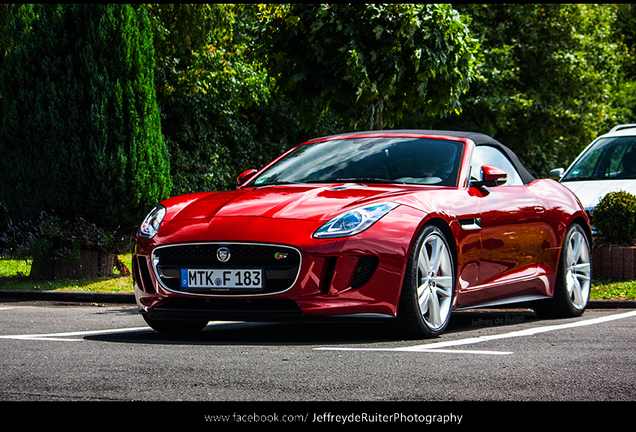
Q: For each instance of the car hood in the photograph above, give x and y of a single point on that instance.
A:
(592, 191)
(305, 202)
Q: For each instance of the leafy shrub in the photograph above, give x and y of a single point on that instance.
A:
(52, 237)
(615, 218)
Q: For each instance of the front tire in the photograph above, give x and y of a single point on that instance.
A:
(573, 279)
(429, 286)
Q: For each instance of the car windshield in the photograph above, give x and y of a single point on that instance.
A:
(608, 158)
(369, 160)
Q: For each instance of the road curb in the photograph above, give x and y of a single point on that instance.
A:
(611, 304)
(69, 296)
(129, 298)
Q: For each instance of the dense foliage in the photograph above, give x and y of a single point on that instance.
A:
(218, 115)
(549, 80)
(366, 64)
(81, 134)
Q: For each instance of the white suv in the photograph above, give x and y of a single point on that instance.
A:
(608, 164)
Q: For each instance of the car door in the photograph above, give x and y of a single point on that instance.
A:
(514, 229)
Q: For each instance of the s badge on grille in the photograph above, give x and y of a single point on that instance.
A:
(223, 254)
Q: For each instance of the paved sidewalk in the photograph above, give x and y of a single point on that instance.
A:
(129, 298)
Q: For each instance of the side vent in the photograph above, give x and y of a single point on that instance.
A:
(364, 271)
(143, 275)
(330, 267)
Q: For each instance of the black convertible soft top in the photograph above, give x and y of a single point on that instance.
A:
(476, 137)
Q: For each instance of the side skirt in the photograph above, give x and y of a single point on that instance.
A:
(509, 300)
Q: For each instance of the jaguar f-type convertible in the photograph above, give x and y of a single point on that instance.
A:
(401, 226)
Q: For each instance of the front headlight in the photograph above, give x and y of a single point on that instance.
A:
(354, 221)
(151, 224)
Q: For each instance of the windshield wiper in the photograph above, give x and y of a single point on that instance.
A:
(299, 182)
(367, 180)
(275, 183)
(339, 180)
(582, 178)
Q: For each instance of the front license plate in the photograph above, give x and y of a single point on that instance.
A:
(198, 278)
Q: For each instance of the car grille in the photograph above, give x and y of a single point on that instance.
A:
(280, 265)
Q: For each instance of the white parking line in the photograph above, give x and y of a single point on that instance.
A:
(438, 347)
(63, 336)
(435, 347)
(67, 335)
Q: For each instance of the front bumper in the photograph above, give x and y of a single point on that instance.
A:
(358, 277)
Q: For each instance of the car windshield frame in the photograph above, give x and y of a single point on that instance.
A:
(608, 158)
(384, 160)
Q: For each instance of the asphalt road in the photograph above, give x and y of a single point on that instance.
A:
(65, 351)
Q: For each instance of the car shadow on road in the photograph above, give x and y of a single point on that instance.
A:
(312, 333)
(246, 333)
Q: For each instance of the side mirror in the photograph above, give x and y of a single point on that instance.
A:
(491, 176)
(245, 176)
(556, 174)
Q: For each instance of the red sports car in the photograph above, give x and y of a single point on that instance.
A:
(403, 226)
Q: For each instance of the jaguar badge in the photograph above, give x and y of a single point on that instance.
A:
(223, 254)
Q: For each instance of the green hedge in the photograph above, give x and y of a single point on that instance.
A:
(615, 218)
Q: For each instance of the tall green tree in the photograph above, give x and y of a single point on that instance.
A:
(625, 32)
(5, 38)
(368, 63)
(81, 134)
(182, 35)
(548, 80)
(217, 110)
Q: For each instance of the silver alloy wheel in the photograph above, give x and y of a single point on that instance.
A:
(435, 281)
(578, 269)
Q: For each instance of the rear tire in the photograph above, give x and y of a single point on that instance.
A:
(573, 279)
(175, 326)
(429, 285)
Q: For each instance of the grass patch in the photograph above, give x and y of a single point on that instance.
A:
(602, 290)
(14, 275)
